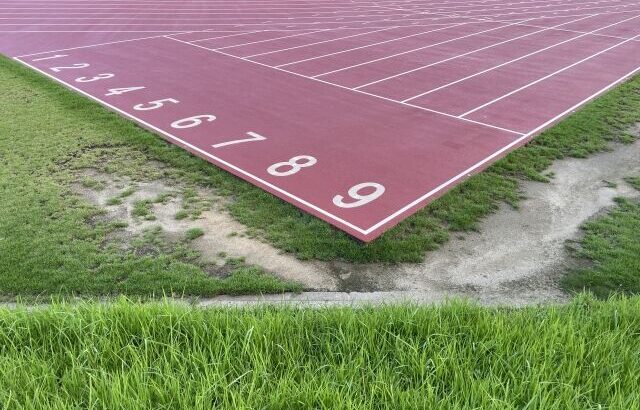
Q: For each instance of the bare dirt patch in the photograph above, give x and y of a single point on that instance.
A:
(516, 257)
(223, 238)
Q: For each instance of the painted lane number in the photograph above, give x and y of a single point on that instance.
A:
(293, 166)
(358, 195)
(154, 105)
(355, 192)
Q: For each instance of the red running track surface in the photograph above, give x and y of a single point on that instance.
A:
(357, 111)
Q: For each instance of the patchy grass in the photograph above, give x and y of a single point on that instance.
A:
(162, 356)
(54, 242)
(52, 130)
(143, 209)
(193, 233)
(612, 244)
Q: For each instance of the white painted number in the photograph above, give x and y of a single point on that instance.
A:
(79, 65)
(96, 78)
(50, 58)
(192, 121)
(154, 105)
(118, 91)
(294, 165)
(361, 199)
(253, 137)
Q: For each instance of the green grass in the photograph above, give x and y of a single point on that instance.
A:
(126, 356)
(52, 131)
(612, 244)
(194, 233)
(51, 240)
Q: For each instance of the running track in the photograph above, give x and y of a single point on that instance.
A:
(357, 111)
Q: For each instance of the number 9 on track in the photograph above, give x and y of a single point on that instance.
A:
(355, 192)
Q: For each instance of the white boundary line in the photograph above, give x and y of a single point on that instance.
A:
(378, 43)
(517, 90)
(166, 33)
(250, 26)
(528, 7)
(513, 60)
(585, 10)
(193, 147)
(417, 49)
(350, 89)
(469, 52)
(230, 35)
(520, 140)
(440, 10)
(407, 207)
(277, 38)
(295, 19)
(320, 42)
(109, 42)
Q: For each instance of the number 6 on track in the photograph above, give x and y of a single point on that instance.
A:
(361, 199)
(192, 121)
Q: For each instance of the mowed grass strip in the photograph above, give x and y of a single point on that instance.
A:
(612, 243)
(582, 356)
(43, 122)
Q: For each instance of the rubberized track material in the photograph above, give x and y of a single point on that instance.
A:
(359, 112)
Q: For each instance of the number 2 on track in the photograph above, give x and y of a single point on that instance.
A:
(71, 67)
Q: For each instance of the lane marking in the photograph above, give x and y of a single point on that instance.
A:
(272, 39)
(512, 61)
(515, 143)
(347, 88)
(548, 76)
(372, 44)
(199, 150)
(467, 53)
(415, 49)
(322, 42)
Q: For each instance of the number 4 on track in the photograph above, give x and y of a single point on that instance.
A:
(118, 91)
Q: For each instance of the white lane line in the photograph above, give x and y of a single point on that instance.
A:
(512, 61)
(106, 43)
(374, 44)
(264, 4)
(229, 35)
(352, 4)
(534, 8)
(199, 150)
(601, 13)
(521, 140)
(547, 76)
(173, 32)
(468, 53)
(248, 25)
(413, 50)
(521, 15)
(240, 17)
(579, 32)
(321, 42)
(274, 39)
(166, 32)
(347, 88)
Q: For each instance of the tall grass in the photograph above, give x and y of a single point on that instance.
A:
(163, 356)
